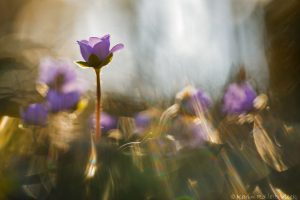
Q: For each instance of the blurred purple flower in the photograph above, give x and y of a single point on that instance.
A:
(58, 75)
(107, 121)
(64, 88)
(59, 101)
(198, 101)
(96, 51)
(238, 98)
(190, 132)
(35, 114)
(198, 135)
(142, 121)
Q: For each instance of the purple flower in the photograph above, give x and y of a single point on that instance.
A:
(190, 132)
(198, 135)
(35, 114)
(59, 101)
(96, 51)
(238, 98)
(198, 101)
(57, 74)
(142, 121)
(107, 121)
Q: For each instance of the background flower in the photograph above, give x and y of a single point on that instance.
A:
(144, 120)
(189, 131)
(64, 89)
(108, 122)
(197, 101)
(35, 114)
(57, 74)
(59, 101)
(238, 98)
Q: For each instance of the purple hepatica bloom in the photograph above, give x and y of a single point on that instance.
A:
(198, 101)
(96, 51)
(142, 121)
(190, 133)
(35, 114)
(108, 122)
(198, 135)
(59, 101)
(57, 74)
(238, 98)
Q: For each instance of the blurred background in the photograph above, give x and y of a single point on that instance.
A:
(169, 44)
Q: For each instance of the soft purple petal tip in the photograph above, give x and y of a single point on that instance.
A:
(117, 47)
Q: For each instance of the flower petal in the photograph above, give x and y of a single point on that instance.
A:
(85, 42)
(238, 98)
(117, 47)
(56, 73)
(35, 114)
(107, 36)
(85, 49)
(94, 40)
(101, 49)
(62, 101)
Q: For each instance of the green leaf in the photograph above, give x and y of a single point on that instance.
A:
(82, 64)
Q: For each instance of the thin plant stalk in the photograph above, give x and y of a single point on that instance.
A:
(91, 166)
(98, 105)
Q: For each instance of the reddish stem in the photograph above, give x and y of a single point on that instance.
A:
(98, 105)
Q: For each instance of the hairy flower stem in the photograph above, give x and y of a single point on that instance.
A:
(98, 105)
